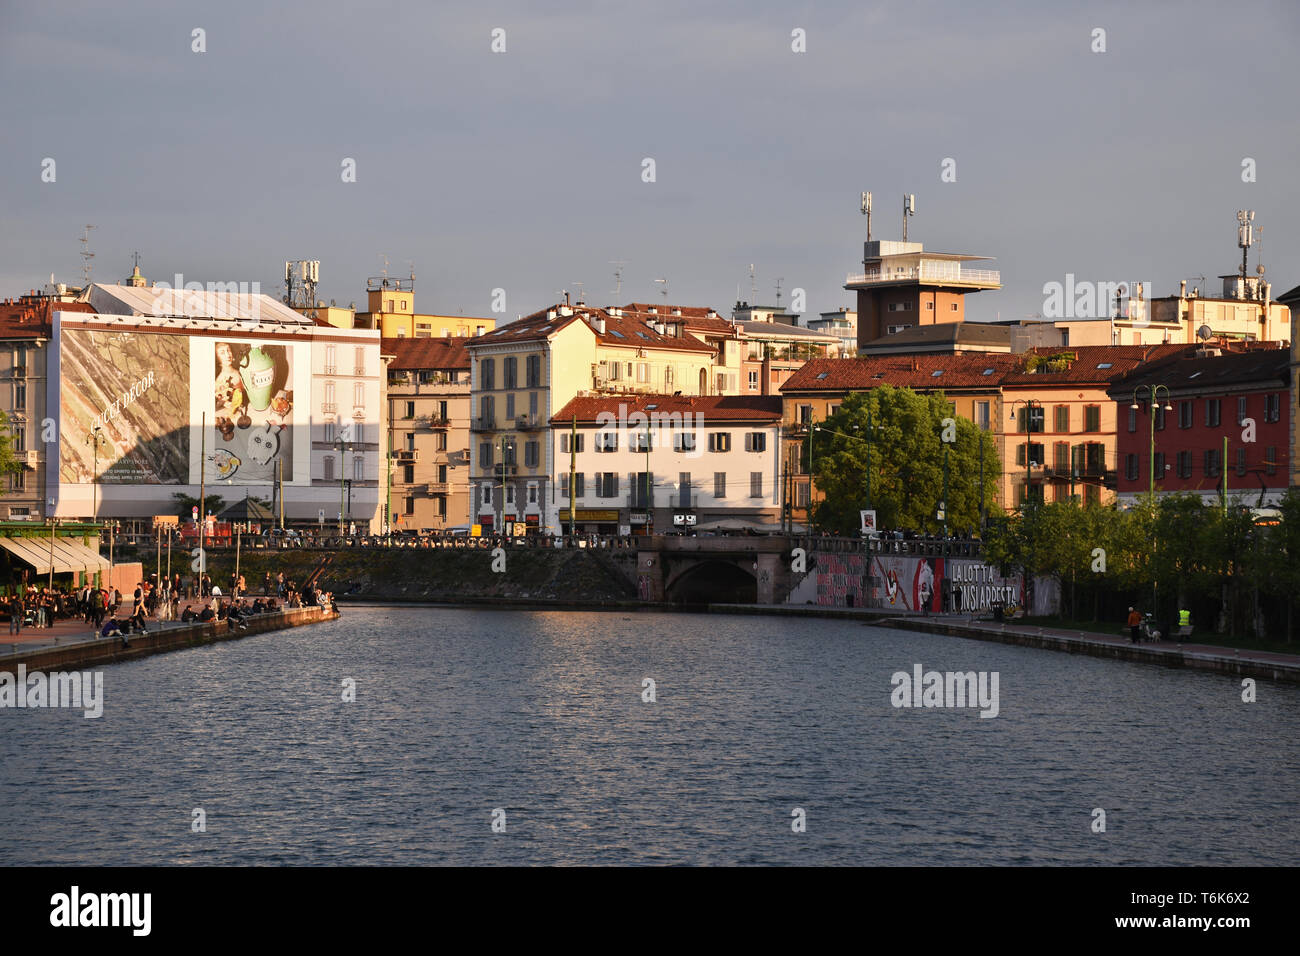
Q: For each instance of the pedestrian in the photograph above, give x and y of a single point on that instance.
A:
(1134, 624)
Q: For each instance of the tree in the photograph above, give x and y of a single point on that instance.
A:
(185, 505)
(901, 432)
(9, 463)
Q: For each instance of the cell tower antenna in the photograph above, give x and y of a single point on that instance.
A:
(385, 258)
(411, 263)
(1245, 235)
(778, 293)
(909, 209)
(618, 265)
(664, 282)
(86, 256)
(866, 211)
(753, 286)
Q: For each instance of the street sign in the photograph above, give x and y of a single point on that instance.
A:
(195, 512)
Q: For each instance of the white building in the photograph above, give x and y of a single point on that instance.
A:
(656, 463)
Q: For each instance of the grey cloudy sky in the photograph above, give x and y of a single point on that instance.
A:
(522, 170)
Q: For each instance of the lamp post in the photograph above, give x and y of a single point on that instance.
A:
(1153, 397)
(93, 439)
(342, 446)
(649, 505)
(1030, 404)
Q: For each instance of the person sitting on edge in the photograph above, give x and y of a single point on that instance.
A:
(188, 614)
(111, 629)
(206, 614)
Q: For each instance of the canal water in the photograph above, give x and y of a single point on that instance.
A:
(537, 720)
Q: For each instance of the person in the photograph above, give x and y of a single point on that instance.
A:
(1184, 624)
(188, 614)
(1134, 625)
(111, 629)
(15, 609)
(207, 613)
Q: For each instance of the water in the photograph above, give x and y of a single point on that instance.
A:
(458, 713)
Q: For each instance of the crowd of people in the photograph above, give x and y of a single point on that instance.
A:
(115, 615)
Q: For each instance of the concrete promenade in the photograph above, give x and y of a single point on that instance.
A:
(72, 644)
(1208, 657)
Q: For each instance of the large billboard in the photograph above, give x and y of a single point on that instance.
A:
(251, 413)
(124, 408)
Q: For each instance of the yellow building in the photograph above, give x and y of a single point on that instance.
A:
(526, 370)
(390, 307)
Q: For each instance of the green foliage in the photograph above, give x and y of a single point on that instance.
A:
(9, 463)
(907, 456)
(185, 505)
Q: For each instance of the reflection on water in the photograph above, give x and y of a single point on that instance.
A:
(459, 712)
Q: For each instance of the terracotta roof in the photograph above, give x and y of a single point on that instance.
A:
(693, 318)
(708, 407)
(417, 354)
(1263, 368)
(30, 315)
(960, 370)
(1093, 364)
(626, 331)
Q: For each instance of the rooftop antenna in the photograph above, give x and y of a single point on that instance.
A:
(753, 286)
(581, 300)
(664, 290)
(411, 263)
(909, 209)
(618, 265)
(778, 293)
(86, 256)
(866, 211)
(1245, 235)
(135, 259)
(385, 258)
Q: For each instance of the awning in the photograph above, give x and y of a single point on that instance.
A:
(69, 555)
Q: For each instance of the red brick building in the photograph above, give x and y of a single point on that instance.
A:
(1203, 399)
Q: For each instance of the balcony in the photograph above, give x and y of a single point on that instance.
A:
(428, 422)
(941, 272)
(406, 455)
(329, 408)
(360, 370)
(331, 370)
(528, 423)
(482, 424)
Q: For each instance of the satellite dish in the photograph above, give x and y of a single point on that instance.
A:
(1204, 332)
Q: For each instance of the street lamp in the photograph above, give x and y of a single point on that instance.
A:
(93, 439)
(1153, 397)
(342, 446)
(1030, 404)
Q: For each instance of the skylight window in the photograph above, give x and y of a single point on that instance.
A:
(1103, 365)
(987, 371)
(618, 333)
(822, 375)
(1194, 374)
(936, 373)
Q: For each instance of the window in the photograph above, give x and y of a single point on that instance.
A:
(929, 307)
(684, 489)
(642, 489)
(1185, 414)
(485, 454)
(359, 468)
(510, 494)
(531, 454)
(360, 367)
(1062, 418)
(442, 474)
(442, 411)
(982, 415)
(1159, 467)
(359, 395)
(719, 485)
(410, 410)
(487, 411)
(329, 397)
(510, 408)
(1061, 456)
(440, 441)
(642, 372)
(1160, 417)
(1035, 453)
(1270, 460)
(571, 443)
(753, 381)
(1213, 411)
(755, 484)
(755, 441)
(441, 505)
(952, 307)
(408, 505)
(487, 373)
(1241, 409)
(508, 452)
(805, 414)
(1241, 462)
(18, 435)
(1092, 418)
(487, 494)
(1184, 464)
(410, 441)
(331, 362)
(579, 485)
(532, 493)
(1094, 459)
(1131, 467)
(684, 441)
(534, 371)
(1272, 407)
(802, 495)
(329, 467)
(1213, 462)
(1132, 419)
(719, 441)
(640, 441)
(1030, 418)
(606, 441)
(408, 474)
(532, 406)
(607, 484)
(510, 372)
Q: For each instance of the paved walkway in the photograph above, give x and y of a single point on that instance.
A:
(64, 632)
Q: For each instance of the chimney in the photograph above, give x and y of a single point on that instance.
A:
(1182, 289)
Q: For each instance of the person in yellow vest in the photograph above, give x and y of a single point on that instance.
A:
(1184, 623)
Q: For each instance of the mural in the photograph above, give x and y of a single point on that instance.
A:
(253, 405)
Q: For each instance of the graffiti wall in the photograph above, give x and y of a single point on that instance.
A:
(909, 583)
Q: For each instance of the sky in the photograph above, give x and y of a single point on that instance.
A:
(524, 170)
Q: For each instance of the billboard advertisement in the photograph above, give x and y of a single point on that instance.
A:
(131, 391)
(251, 414)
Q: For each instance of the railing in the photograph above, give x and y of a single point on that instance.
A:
(329, 408)
(482, 424)
(927, 272)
